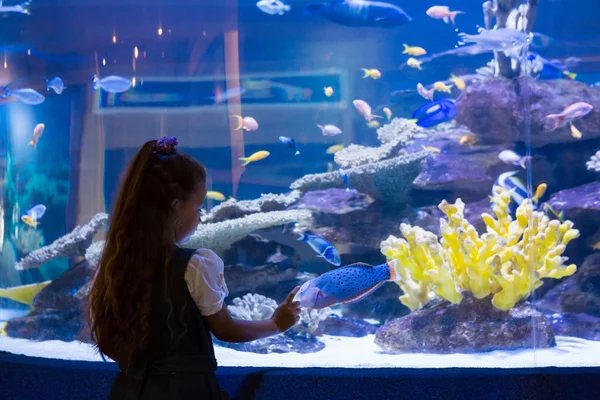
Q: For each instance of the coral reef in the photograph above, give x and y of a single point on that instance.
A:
(70, 245)
(231, 209)
(388, 181)
(94, 252)
(252, 307)
(310, 320)
(507, 262)
(219, 236)
(594, 162)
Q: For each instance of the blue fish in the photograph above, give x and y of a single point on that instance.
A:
(37, 211)
(112, 84)
(550, 69)
(435, 113)
(344, 176)
(55, 84)
(362, 13)
(290, 142)
(322, 247)
(25, 95)
(345, 285)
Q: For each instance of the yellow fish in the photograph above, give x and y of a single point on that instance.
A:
(560, 216)
(371, 73)
(259, 155)
(32, 222)
(431, 148)
(215, 195)
(37, 134)
(373, 124)
(458, 82)
(388, 113)
(442, 87)
(596, 246)
(539, 192)
(575, 132)
(328, 91)
(570, 75)
(414, 63)
(334, 149)
(25, 293)
(467, 139)
(413, 50)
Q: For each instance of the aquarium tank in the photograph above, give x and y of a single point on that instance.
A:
(428, 173)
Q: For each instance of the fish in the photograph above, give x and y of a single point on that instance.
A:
(546, 69)
(435, 150)
(55, 84)
(22, 8)
(360, 13)
(541, 41)
(458, 82)
(36, 211)
(442, 87)
(273, 7)
(510, 157)
(218, 196)
(596, 246)
(371, 73)
(37, 134)
(414, 63)
(344, 176)
(427, 94)
(502, 39)
(575, 132)
(248, 123)
(291, 143)
(435, 113)
(329, 167)
(509, 182)
(329, 130)
(388, 113)
(328, 91)
(560, 216)
(322, 247)
(111, 84)
(334, 149)
(539, 192)
(570, 113)
(259, 155)
(223, 96)
(443, 13)
(364, 109)
(24, 95)
(345, 285)
(468, 140)
(413, 50)
(25, 293)
(373, 124)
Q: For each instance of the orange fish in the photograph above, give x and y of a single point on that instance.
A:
(37, 134)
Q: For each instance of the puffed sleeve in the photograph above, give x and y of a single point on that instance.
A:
(205, 281)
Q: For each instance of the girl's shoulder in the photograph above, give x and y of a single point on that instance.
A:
(205, 258)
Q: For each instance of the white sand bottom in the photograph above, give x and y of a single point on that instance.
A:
(350, 353)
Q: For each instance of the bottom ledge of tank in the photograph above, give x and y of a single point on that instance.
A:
(351, 353)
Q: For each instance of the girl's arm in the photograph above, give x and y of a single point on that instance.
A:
(227, 329)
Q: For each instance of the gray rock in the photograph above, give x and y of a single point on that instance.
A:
(288, 342)
(342, 326)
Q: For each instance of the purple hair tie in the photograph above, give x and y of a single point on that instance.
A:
(166, 145)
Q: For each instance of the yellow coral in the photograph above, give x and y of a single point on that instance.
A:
(507, 262)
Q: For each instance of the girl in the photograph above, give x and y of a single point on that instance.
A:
(154, 305)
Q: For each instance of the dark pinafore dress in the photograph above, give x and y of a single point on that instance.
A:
(180, 368)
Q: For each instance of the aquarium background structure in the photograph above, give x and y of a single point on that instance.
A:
(476, 255)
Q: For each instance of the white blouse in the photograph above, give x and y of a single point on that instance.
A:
(205, 281)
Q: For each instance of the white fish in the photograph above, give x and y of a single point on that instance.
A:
(364, 109)
(112, 84)
(570, 113)
(25, 95)
(329, 130)
(248, 123)
(497, 39)
(55, 84)
(427, 94)
(273, 7)
(22, 8)
(443, 13)
(510, 157)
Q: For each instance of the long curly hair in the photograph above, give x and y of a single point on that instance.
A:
(139, 246)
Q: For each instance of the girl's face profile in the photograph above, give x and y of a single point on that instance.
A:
(188, 214)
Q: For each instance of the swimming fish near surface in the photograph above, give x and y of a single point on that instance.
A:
(502, 39)
(259, 155)
(329, 130)
(413, 50)
(328, 91)
(371, 73)
(111, 84)
(344, 176)
(334, 148)
(435, 113)
(443, 13)
(364, 109)
(427, 94)
(25, 293)
(55, 84)
(22, 8)
(25, 95)
(570, 113)
(273, 7)
(414, 63)
(248, 123)
(322, 247)
(360, 13)
(37, 134)
(212, 195)
(345, 285)
(291, 143)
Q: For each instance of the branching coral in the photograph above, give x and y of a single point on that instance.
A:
(252, 307)
(594, 162)
(507, 262)
(311, 318)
